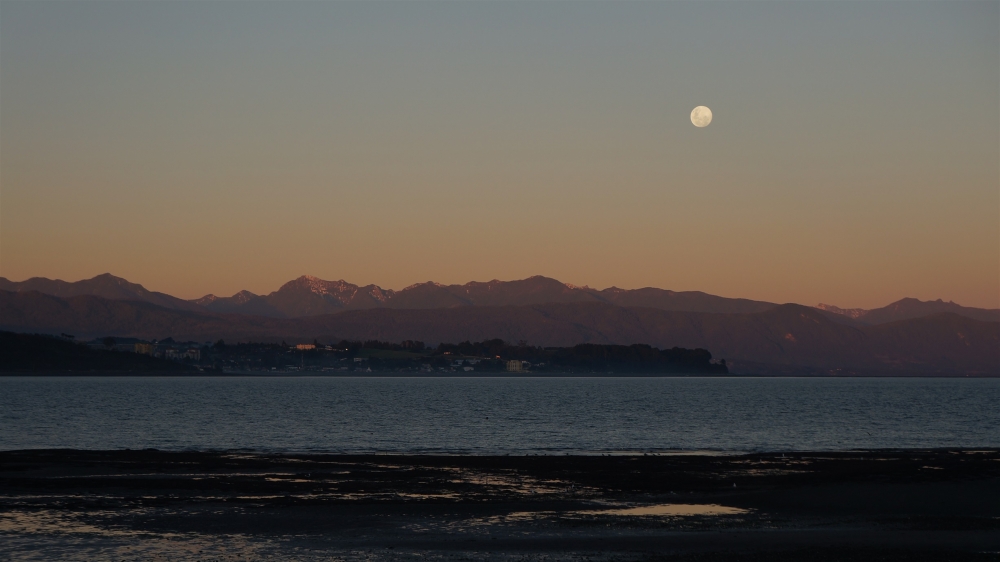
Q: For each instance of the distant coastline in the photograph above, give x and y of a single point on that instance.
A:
(498, 375)
(40, 353)
(54, 356)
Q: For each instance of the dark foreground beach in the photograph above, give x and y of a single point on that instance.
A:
(151, 505)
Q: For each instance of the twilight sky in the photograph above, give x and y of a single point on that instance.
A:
(196, 147)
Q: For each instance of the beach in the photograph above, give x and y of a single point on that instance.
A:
(242, 505)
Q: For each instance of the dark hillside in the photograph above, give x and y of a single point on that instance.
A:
(946, 342)
(784, 339)
(32, 353)
(907, 309)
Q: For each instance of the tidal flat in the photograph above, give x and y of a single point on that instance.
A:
(885, 505)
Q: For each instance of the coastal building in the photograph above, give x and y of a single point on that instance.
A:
(143, 348)
(175, 354)
(305, 346)
(515, 366)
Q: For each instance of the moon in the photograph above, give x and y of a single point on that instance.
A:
(701, 116)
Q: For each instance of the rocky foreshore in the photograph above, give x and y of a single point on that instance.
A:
(153, 505)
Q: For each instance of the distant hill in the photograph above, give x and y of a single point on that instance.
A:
(35, 353)
(533, 290)
(87, 316)
(906, 309)
(106, 285)
(852, 313)
(786, 338)
(243, 302)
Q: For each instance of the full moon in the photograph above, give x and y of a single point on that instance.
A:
(701, 116)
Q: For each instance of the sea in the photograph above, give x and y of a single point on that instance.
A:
(497, 416)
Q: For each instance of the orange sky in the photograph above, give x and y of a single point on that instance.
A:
(853, 159)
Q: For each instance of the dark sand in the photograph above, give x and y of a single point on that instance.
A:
(148, 505)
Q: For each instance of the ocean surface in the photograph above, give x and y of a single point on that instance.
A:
(497, 415)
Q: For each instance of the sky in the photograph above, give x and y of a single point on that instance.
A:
(210, 147)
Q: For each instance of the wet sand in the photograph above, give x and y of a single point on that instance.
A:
(150, 505)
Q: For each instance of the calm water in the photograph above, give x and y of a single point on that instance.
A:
(497, 415)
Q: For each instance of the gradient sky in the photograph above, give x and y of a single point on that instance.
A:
(196, 147)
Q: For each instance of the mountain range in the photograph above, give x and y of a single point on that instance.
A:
(786, 338)
(106, 285)
(311, 296)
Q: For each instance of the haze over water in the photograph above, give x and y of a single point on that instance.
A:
(496, 415)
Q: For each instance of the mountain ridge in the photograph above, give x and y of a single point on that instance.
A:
(308, 295)
(104, 285)
(311, 296)
(909, 308)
